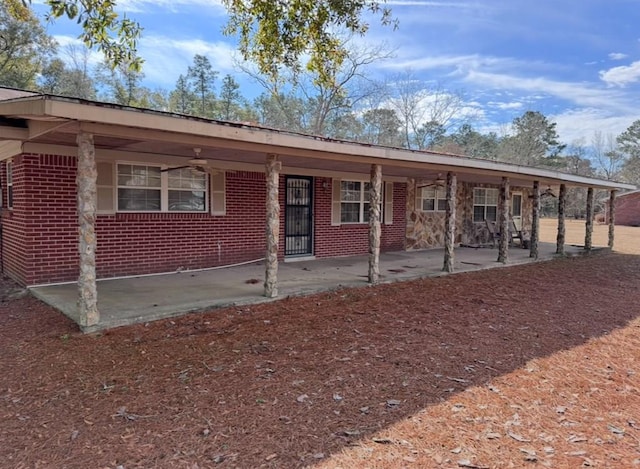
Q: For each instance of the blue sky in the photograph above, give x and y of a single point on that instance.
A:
(576, 61)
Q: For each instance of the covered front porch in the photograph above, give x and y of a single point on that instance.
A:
(146, 298)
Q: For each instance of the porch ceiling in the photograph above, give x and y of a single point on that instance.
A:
(126, 131)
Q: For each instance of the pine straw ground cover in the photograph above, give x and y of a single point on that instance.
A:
(527, 366)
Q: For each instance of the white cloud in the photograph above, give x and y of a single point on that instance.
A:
(576, 124)
(622, 75)
(617, 56)
(581, 94)
(506, 106)
(173, 6)
(166, 58)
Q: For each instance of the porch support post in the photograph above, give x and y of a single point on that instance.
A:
(86, 178)
(450, 223)
(535, 221)
(503, 222)
(562, 200)
(375, 199)
(612, 217)
(273, 167)
(589, 222)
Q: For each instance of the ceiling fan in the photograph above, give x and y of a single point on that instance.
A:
(196, 163)
(548, 192)
(437, 182)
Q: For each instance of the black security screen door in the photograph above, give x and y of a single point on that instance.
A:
(298, 217)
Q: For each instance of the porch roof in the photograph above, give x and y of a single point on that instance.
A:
(38, 123)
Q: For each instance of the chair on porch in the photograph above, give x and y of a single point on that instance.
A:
(494, 234)
(522, 236)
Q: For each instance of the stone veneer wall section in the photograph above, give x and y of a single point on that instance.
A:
(426, 229)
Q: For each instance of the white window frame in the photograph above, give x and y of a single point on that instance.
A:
(164, 189)
(439, 195)
(10, 184)
(476, 190)
(363, 202)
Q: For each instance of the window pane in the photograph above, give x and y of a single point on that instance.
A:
(491, 213)
(365, 212)
(442, 205)
(186, 178)
(350, 212)
(478, 213)
(428, 205)
(138, 199)
(189, 201)
(516, 205)
(349, 191)
(428, 192)
(140, 176)
(479, 197)
(492, 197)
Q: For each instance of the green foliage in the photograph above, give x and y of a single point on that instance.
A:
(277, 35)
(201, 77)
(102, 28)
(534, 143)
(25, 49)
(629, 145)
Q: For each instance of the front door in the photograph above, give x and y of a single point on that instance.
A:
(516, 209)
(299, 216)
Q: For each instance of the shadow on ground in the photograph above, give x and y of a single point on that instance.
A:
(285, 384)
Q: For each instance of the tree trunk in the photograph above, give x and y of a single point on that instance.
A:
(375, 200)
(450, 223)
(589, 222)
(562, 201)
(503, 217)
(612, 217)
(87, 174)
(535, 221)
(273, 227)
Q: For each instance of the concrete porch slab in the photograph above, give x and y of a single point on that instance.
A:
(148, 298)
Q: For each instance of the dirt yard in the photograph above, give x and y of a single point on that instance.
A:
(525, 366)
(626, 239)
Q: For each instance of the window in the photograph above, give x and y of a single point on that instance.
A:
(433, 199)
(143, 188)
(354, 202)
(187, 190)
(9, 184)
(485, 204)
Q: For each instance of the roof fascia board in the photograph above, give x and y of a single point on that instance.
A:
(9, 149)
(271, 141)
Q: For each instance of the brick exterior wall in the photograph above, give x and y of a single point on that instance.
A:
(344, 240)
(628, 210)
(39, 237)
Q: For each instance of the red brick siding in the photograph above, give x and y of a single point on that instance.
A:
(350, 239)
(136, 243)
(628, 210)
(40, 233)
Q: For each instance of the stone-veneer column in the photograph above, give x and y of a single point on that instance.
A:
(535, 221)
(503, 218)
(589, 222)
(562, 201)
(375, 198)
(612, 217)
(87, 174)
(273, 167)
(450, 223)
